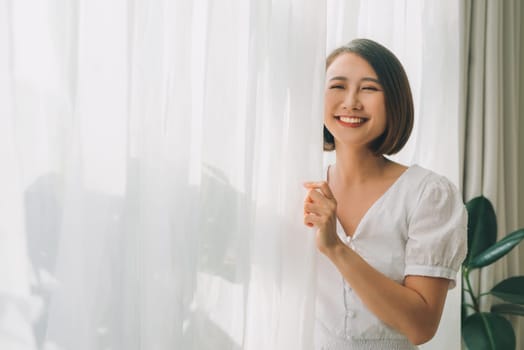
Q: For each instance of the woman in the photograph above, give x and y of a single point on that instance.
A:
(392, 237)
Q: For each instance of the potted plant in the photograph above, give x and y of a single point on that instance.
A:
(482, 329)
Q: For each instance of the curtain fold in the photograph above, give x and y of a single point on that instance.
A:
(491, 162)
(162, 149)
(18, 306)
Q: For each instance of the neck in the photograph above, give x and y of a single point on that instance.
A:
(356, 166)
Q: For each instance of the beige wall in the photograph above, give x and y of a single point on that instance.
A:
(521, 146)
(520, 213)
(521, 141)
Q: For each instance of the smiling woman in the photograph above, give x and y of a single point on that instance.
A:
(351, 99)
(392, 237)
(391, 91)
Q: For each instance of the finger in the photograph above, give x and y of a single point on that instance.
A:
(322, 186)
(312, 208)
(307, 198)
(311, 220)
(312, 184)
(318, 209)
(314, 195)
(326, 190)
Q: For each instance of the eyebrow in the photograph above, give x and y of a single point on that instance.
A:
(363, 79)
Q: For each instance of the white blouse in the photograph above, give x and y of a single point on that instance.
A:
(417, 227)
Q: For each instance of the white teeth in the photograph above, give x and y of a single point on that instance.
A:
(351, 120)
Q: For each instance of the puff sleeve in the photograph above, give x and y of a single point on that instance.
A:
(437, 234)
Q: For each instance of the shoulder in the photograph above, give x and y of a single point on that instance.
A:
(423, 189)
(424, 181)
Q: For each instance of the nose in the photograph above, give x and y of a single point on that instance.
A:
(351, 102)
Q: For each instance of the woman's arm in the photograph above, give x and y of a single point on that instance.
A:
(413, 309)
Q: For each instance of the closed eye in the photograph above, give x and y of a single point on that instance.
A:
(371, 88)
(337, 87)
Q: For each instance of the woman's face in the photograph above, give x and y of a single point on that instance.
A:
(354, 102)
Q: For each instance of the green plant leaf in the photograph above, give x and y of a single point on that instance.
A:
(510, 309)
(482, 227)
(498, 250)
(511, 289)
(487, 331)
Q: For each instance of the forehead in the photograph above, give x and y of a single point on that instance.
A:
(350, 66)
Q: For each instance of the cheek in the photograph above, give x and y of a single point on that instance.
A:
(379, 107)
(326, 105)
(330, 102)
(328, 115)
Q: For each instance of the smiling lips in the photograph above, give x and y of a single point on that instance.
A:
(351, 121)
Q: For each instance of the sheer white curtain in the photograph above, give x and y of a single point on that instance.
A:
(17, 307)
(160, 149)
(425, 37)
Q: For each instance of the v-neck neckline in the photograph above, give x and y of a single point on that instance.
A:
(356, 232)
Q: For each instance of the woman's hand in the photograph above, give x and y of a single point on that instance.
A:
(320, 210)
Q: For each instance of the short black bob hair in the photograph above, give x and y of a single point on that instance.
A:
(397, 93)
